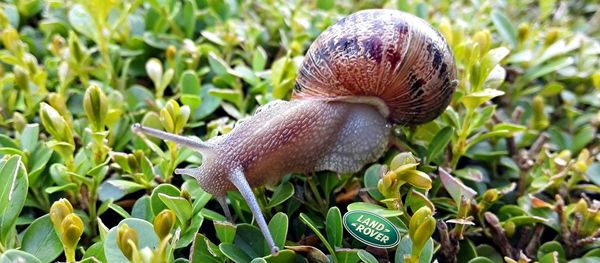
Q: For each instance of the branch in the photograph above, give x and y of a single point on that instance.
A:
(449, 245)
(500, 238)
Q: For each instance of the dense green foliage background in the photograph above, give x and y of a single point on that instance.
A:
(519, 141)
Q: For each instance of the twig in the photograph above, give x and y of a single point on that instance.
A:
(533, 245)
(525, 232)
(536, 147)
(500, 238)
(590, 239)
(510, 141)
(565, 234)
(449, 246)
(525, 161)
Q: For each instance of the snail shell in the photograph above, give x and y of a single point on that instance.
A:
(388, 54)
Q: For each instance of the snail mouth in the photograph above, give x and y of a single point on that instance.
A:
(376, 102)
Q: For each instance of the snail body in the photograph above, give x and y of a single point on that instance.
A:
(371, 69)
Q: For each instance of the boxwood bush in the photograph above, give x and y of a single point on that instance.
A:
(510, 172)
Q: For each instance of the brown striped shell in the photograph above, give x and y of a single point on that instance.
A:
(389, 54)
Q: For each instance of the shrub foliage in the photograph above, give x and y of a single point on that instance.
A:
(509, 172)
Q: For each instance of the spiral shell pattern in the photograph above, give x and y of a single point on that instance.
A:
(388, 54)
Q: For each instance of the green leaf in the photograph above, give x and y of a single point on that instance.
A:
(283, 73)
(225, 231)
(81, 21)
(467, 251)
(137, 96)
(371, 179)
(189, 84)
(217, 64)
(475, 99)
(209, 103)
(505, 28)
(511, 127)
(95, 251)
(585, 260)
(509, 211)
(202, 198)
(455, 188)
(439, 142)
(251, 241)
(282, 257)
(333, 224)
(552, 89)
(41, 241)
(115, 189)
(205, 251)
(212, 37)
(489, 252)
(550, 67)
(373, 208)
(118, 209)
(347, 255)
(282, 193)
(190, 231)
(583, 137)
(160, 41)
(189, 17)
(328, 181)
(29, 137)
(6, 141)
(593, 173)
(13, 255)
(278, 226)
(470, 173)
(304, 218)
(366, 257)
(234, 253)
(146, 237)
(226, 94)
(552, 246)
(551, 257)
(37, 163)
(325, 4)
(13, 192)
(312, 254)
(482, 117)
(259, 59)
(593, 253)
(12, 14)
(179, 205)
(416, 200)
(212, 215)
(491, 60)
(405, 248)
(142, 209)
(59, 188)
(246, 74)
(155, 201)
(481, 260)
(523, 220)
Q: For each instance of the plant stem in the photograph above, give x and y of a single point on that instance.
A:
(317, 195)
(461, 144)
(70, 254)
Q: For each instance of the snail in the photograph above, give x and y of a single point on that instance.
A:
(369, 70)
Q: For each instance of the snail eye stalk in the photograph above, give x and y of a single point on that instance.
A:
(239, 180)
(195, 144)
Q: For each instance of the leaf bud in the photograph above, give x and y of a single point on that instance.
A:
(163, 223)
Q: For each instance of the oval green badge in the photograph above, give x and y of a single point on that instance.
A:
(371, 229)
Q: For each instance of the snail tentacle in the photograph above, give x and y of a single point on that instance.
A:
(223, 202)
(195, 144)
(238, 179)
